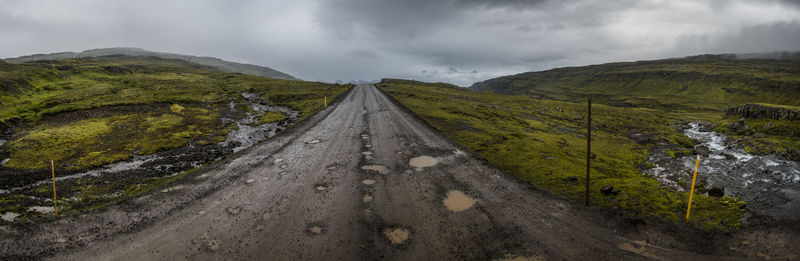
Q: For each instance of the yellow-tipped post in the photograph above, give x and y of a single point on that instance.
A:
(55, 202)
(326, 102)
(691, 191)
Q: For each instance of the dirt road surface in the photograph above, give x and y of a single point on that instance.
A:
(341, 186)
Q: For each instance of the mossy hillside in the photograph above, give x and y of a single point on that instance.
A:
(29, 91)
(544, 142)
(693, 84)
(93, 142)
(194, 95)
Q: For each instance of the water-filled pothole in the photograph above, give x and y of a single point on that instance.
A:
(422, 162)
(9, 216)
(368, 182)
(457, 201)
(398, 236)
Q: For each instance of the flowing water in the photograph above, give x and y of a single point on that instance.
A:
(769, 185)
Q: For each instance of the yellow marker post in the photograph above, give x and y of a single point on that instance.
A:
(691, 191)
(55, 203)
(326, 101)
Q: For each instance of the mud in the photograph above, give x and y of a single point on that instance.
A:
(398, 236)
(422, 162)
(9, 216)
(42, 209)
(383, 170)
(521, 258)
(367, 198)
(457, 201)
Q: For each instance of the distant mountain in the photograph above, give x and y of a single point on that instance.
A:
(696, 83)
(213, 63)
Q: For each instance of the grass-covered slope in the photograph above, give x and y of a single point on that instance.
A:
(544, 142)
(692, 84)
(88, 112)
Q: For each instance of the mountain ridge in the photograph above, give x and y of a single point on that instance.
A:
(212, 62)
(693, 83)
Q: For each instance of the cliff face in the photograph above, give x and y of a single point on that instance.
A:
(758, 111)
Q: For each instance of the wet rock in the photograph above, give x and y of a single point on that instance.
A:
(728, 156)
(769, 125)
(701, 150)
(609, 190)
(739, 126)
(716, 191)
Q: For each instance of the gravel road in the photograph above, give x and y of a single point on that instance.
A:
(362, 180)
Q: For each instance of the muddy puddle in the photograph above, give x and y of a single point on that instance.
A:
(315, 230)
(367, 198)
(769, 185)
(383, 170)
(368, 182)
(521, 258)
(422, 162)
(165, 163)
(9, 216)
(398, 236)
(457, 201)
(41, 209)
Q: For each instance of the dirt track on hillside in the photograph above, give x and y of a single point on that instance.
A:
(340, 187)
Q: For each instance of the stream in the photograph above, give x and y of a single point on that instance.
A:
(769, 185)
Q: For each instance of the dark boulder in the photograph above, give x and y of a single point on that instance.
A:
(739, 126)
(609, 190)
(728, 156)
(701, 150)
(716, 192)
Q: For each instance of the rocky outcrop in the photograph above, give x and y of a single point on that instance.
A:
(759, 111)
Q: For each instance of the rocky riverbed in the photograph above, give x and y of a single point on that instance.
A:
(769, 185)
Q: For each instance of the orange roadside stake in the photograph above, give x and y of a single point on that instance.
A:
(55, 203)
(691, 191)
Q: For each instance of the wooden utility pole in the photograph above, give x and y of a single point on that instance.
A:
(588, 148)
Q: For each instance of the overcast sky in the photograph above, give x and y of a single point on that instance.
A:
(456, 41)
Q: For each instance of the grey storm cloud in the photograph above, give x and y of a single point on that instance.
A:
(457, 41)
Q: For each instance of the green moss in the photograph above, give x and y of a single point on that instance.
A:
(543, 142)
(270, 117)
(37, 147)
(677, 153)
